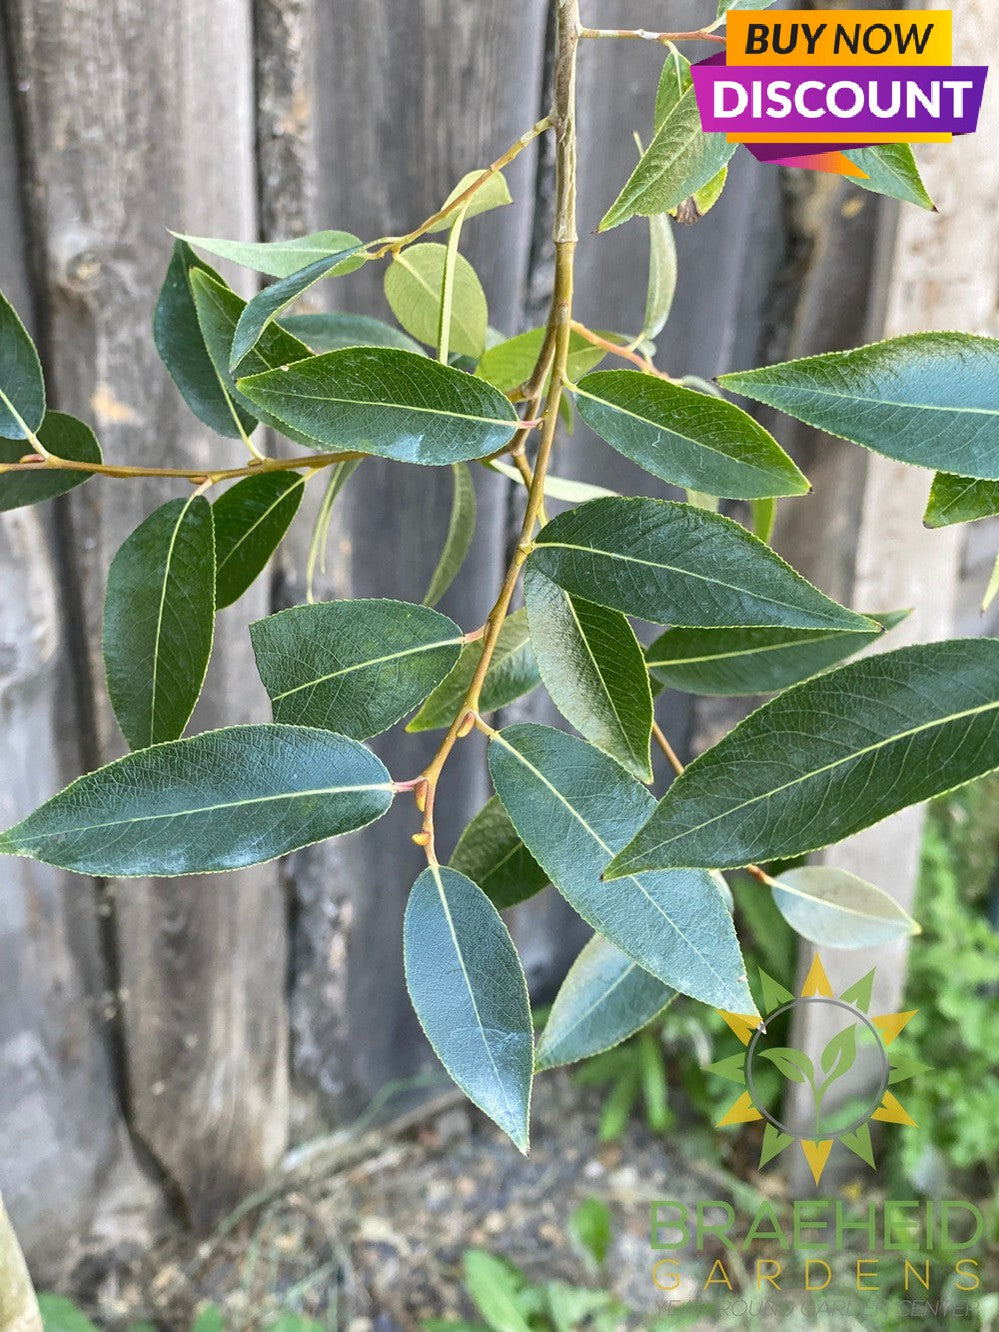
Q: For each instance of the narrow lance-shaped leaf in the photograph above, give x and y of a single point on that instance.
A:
(491, 854)
(662, 275)
(605, 998)
(891, 170)
(556, 487)
(217, 801)
(574, 808)
(181, 344)
(413, 283)
(353, 666)
(931, 399)
(512, 672)
(469, 992)
(330, 332)
(731, 662)
(280, 258)
(387, 402)
(251, 518)
(836, 909)
(59, 434)
(510, 363)
(460, 531)
(159, 618)
(829, 757)
(672, 563)
(269, 303)
(686, 437)
(960, 499)
(592, 666)
(493, 193)
(674, 81)
(22, 389)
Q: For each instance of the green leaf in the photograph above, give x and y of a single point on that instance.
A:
(494, 193)
(839, 1055)
(891, 170)
(556, 487)
(605, 998)
(590, 1226)
(491, 854)
(511, 363)
(180, 342)
(686, 437)
(662, 275)
(592, 666)
(794, 1065)
(460, 530)
(836, 909)
(387, 402)
(495, 1286)
(330, 332)
(574, 808)
(702, 200)
(354, 667)
(733, 662)
(216, 801)
(413, 289)
(219, 311)
(674, 81)
(763, 515)
(672, 563)
(62, 435)
(469, 992)
(829, 757)
(269, 303)
(159, 621)
(251, 518)
(281, 258)
(725, 5)
(60, 1314)
(992, 589)
(22, 388)
(512, 672)
(930, 399)
(679, 160)
(960, 499)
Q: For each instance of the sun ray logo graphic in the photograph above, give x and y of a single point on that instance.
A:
(848, 1086)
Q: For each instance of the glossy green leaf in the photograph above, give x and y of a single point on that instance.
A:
(469, 992)
(330, 332)
(281, 258)
(556, 487)
(159, 620)
(752, 661)
(674, 81)
(387, 402)
(686, 437)
(269, 303)
(492, 855)
(960, 499)
(512, 672)
(354, 667)
(511, 363)
(216, 801)
(495, 1286)
(251, 519)
(763, 516)
(460, 531)
(605, 998)
(891, 170)
(219, 311)
(931, 399)
(592, 666)
(829, 757)
(574, 808)
(662, 275)
(672, 563)
(22, 388)
(836, 909)
(60, 434)
(494, 193)
(181, 344)
(413, 289)
(679, 160)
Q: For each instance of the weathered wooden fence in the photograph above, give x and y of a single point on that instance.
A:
(159, 1041)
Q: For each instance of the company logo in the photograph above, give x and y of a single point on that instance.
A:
(825, 1100)
(799, 87)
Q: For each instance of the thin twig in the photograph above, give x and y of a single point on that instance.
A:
(626, 353)
(197, 475)
(640, 34)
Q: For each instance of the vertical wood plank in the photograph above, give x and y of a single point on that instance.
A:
(132, 126)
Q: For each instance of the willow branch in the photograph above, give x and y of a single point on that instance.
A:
(641, 34)
(310, 461)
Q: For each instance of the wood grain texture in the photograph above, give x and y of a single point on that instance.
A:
(130, 127)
